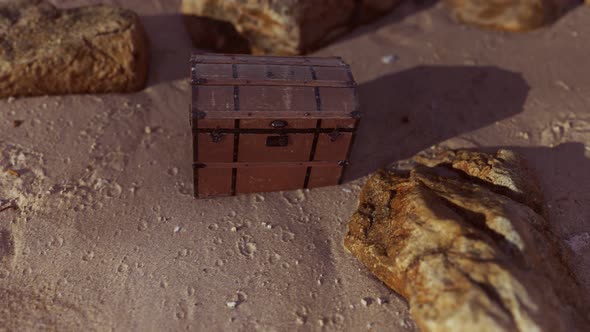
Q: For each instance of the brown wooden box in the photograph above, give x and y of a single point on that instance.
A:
(270, 123)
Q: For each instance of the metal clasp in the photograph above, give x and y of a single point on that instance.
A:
(216, 136)
(334, 135)
(279, 124)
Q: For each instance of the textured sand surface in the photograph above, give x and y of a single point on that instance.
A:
(108, 236)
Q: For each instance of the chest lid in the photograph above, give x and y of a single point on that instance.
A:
(246, 86)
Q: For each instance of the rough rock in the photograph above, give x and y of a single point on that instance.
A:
(509, 15)
(464, 238)
(45, 50)
(280, 27)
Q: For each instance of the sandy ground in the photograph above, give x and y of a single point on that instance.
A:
(108, 236)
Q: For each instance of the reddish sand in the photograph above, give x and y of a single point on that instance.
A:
(108, 235)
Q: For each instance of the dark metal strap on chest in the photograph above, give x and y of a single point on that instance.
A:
(316, 90)
(234, 69)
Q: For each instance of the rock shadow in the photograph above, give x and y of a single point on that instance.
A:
(397, 14)
(170, 48)
(564, 174)
(409, 111)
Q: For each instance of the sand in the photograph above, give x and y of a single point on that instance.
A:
(108, 236)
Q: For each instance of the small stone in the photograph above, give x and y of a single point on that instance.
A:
(177, 229)
(17, 123)
(231, 304)
(366, 301)
(382, 300)
(148, 130)
(299, 320)
(389, 59)
(562, 85)
(523, 135)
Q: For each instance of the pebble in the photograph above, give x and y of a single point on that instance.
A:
(523, 134)
(382, 300)
(177, 229)
(562, 85)
(388, 59)
(365, 301)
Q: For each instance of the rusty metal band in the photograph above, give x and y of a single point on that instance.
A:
(314, 75)
(236, 87)
(236, 98)
(232, 165)
(269, 73)
(272, 131)
(234, 71)
(282, 114)
(291, 61)
(196, 171)
(316, 137)
(318, 99)
(349, 152)
(234, 171)
(316, 89)
(271, 82)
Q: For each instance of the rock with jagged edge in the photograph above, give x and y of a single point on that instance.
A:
(278, 27)
(464, 237)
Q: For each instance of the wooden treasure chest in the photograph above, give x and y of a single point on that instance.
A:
(265, 124)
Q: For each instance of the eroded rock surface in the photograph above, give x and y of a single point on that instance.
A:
(463, 237)
(281, 27)
(45, 50)
(510, 15)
